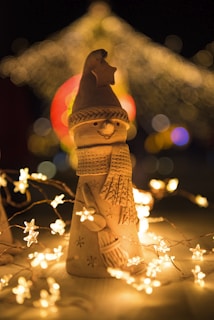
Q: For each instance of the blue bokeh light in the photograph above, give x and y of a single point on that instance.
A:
(180, 136)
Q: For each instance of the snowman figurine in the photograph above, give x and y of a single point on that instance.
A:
(103, 229)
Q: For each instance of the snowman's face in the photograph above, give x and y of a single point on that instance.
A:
(100, 132)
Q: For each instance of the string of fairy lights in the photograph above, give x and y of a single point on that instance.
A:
(50, 295)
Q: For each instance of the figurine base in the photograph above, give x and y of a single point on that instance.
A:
(75, 270)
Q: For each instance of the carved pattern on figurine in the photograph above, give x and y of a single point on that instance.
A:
(80, 242)
(92, 261)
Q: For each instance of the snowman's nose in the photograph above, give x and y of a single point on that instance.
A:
(107, 129)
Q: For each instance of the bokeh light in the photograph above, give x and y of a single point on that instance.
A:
(174, 43)
(47, 168)
(60, 108)
(150, 164)
(161, 81)
(160, 122)
(43, 145)
(180, 136)
(165, 166)
(204, 58)
(61, 161)
(42, 126)
(128, 103)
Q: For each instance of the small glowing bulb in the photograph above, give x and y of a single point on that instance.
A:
(20, 186)
(162, 247)
(172, 185)
(147, 285)
(86, 214)
(142, 197)
(57, 200)
(58, 227)
(118, 273)
(24, 174)
(153, 268)
(22, 290)
(39, 176)
(201, 201)
(157, 184)
(4, 280)
(134, 261)
(31, 238)
(198, 276)
(30, 226)
(197, 253)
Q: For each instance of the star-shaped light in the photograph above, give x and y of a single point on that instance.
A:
(58, 227)
(86, 214)
(58, 252)
(198, 276)
(153, 268)
(162, 247)
(48, 299)
(147, 284)
(22, 290)
(57, 200)
(197, 253)
(54, 288)
(31, 238)
(24, 174)
(38, 259)
(30, 226)
(134, 261)
(166, 260)
(20, 186)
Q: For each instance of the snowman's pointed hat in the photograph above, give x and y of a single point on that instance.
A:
(95, 99)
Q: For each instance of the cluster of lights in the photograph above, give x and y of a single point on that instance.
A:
(166, 135)
(144, 201)
(47, 298)
(42, 260)
(32, 236)
(198, 276)
(22, 290)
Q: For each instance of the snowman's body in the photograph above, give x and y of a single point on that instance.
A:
(107, 235)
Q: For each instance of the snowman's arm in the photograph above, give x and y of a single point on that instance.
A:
(99, 222)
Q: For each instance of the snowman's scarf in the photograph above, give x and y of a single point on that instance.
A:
(114, 161)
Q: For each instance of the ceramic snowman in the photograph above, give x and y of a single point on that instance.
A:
(104, 221)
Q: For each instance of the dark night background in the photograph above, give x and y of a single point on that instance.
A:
(192, 21)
